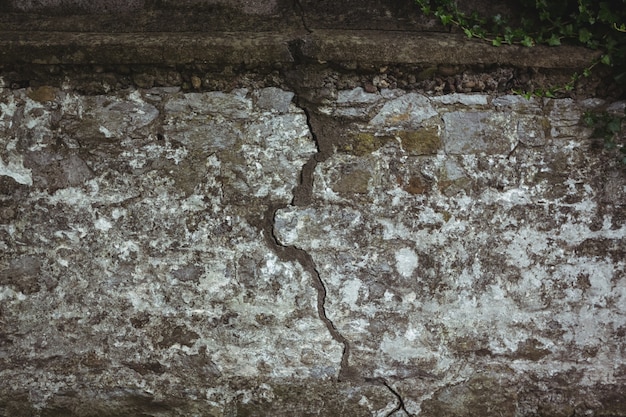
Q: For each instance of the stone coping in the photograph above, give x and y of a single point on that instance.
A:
(277, 49)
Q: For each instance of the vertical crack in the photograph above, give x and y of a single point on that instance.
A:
(304, 258)
(401, 406)
(303, 192)
(302, 196)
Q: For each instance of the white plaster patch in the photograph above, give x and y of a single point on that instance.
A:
(125, 248)
(393, 230)
(466, 99)
(71, 196)
(16, 171)
(103, 224)
(412, 333)
(403, 350)
(350, 292)
(356, 96)
(515, 196)
(136, 97)
(106, 132)
(194, 203)
(410, 109)
(7, 110)
(406, 262)
(272, 266)
(117, 213)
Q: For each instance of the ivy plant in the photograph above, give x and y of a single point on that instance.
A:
(595, 24)
(599, 25)
(608, 126)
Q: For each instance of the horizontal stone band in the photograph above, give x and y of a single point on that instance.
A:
(276, 49)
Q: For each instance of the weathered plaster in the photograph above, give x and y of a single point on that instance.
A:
(153, 262)
(476, 259)
(453, 254)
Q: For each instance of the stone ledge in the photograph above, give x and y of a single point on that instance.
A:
(399, 47)
(272, 49)
(253, 49)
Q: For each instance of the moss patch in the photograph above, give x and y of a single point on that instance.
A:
(362, 143)
(420, 142)
(416, 185)
(355, 182)
(42, 94)
(481, 396)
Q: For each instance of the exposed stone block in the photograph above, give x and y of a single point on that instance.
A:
(468, 132)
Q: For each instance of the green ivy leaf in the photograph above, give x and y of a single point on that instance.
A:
(614, 125)
(554, 40)
(568, 30)
(527, 41)
(584, 35)
(442, 14)
(593, 44)
(589, 119)
(605, 14)
(594, 24)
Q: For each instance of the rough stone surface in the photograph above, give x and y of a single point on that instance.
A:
(250, 208)
(457, 255)
(491, 262)
(154, 271)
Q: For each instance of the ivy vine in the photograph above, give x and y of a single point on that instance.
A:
(599, 25)
(609, 127)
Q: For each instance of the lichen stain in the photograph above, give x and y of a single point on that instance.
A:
(483, 395)
(420, 142)
(416, 185)
(42, 94)
(363, 143)
(356, 182)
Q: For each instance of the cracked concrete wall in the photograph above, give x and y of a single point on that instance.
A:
(253, 252)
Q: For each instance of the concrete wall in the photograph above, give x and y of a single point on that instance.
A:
(334, 235)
